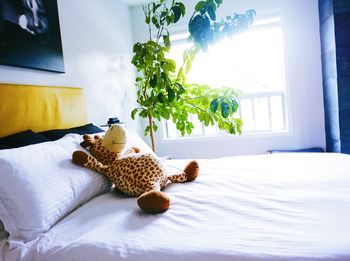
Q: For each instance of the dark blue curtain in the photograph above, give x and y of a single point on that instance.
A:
(335, 42)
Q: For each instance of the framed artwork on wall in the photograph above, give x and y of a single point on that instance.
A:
(30, 35)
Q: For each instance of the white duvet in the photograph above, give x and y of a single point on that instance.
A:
(267, 207)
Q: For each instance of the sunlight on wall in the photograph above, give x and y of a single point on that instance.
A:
(110, 84)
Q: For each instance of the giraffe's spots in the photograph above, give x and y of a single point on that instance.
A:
(134, 173)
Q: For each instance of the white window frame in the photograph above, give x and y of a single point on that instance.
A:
(284, 94)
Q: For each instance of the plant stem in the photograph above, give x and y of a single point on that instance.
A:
(195, 98)
(195, 106)
(145, 11)
(185, 60)
(151, 132)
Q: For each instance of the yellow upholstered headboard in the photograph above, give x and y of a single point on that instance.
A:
(40, 108)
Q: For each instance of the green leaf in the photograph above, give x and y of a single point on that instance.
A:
(155, 7)
(146, 131)
(166, 40)
(212, 4)
(214, 105)
(156, 115)
(153, 82)
(182, 8)
(181, 127)
(199, 6)
(211, 13)
(169, 67)
(188, 129)
(155, 127)
(225, 110)
(137, 47)
(177, 13)
(164, 76)
(139, 79)
(199, 28)
(143, 113)
(160, 97)
(171, 95)
(133, 113)
(181, 89)
(234, 105)
(155, 22)
(147, 102)
(218, 2)
(239, 125)
(165, 113)
(134, 61)
(169, 19)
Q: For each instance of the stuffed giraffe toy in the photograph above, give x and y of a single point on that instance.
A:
(133, 173)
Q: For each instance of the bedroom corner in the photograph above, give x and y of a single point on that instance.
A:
(245, 107)
(97, 47)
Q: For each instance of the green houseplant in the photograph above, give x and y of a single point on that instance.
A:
(162, 90)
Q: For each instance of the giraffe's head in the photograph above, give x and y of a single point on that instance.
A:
(115, 138)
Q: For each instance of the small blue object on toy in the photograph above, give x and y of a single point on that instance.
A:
(112, 121)
(298, 150)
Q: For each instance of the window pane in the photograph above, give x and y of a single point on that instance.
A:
(277, 113)
(261, 110)
(198, 127)
(171, 129)
(211, 130)
(247, 115)
(177, 51)
(251, 62)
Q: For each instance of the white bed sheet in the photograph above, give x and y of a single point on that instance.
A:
(267, 207)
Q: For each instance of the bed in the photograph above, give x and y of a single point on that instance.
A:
(290, 206)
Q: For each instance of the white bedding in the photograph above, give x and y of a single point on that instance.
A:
(267, 207)
(40, 185)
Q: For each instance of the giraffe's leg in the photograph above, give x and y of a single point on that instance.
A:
(82, 159)
(190, 173)
(154, 201)
(192, 170)
(178, 177)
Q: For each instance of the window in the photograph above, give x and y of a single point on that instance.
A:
(251, 62)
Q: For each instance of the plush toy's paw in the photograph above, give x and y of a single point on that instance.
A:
(153, 202)
(80, 157)
(192, 170)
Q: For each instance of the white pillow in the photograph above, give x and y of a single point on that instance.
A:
(134, 140)
(40, 185)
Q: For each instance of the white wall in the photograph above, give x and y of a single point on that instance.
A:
(304, 81)
(97, 45)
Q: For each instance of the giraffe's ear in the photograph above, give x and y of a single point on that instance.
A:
(87, 137)
(88, 141)
(97, 137)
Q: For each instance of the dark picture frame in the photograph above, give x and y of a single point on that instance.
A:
(30, 35)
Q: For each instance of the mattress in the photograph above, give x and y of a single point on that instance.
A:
(262, 207)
